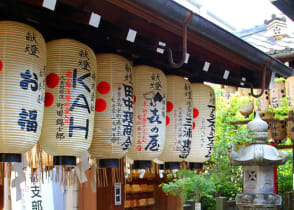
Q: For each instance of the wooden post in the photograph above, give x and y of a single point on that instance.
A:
(174, 203)
(221, 203)
(276, 180)
(1, 186)
(105, 195)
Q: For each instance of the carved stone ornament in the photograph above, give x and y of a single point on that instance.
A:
(258, 153)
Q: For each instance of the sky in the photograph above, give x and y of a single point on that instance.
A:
(241, 14)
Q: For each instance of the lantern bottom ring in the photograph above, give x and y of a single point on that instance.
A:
(64, 160)
(108, 163)
(10, 157)
(171, 165)
(161, 166)
(194, 166)
(142, 164)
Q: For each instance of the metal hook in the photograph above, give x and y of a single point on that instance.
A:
(172, 63)
(263, 81)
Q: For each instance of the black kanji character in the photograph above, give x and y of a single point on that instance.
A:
(31, 123)
(84, 54)
(31, 37)
(128, 130)
(128, 103)
(153, 143)
(155, 117)
(27, 79)
(60, 136)
(37, 205)
(59, 122)
(128, 117)
(154, 130)
(128, 91)
(36, 191)
(127, 143)
(84, 64)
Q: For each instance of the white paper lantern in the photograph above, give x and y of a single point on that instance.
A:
(113, 130)
(279, 131)
(290, 127)
(178, 120)
(203, 100)
(22, 76)
(246, 101)
(261, 103)
(228, 91)
(69, 100)
(277, 93)
(149, 115)
(290, 91)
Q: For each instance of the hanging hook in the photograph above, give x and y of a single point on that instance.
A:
(263, 80)
(172, 63)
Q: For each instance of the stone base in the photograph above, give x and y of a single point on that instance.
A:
(259, 201)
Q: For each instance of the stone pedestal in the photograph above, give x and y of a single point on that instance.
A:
(258, 160)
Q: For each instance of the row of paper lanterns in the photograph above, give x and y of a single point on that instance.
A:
(278, 130)
(96, 103)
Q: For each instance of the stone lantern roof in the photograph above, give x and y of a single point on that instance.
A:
(258, 153)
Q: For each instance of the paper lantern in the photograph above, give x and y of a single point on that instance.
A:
(178, 122)
(290, 91)
(246, 101)
(277, 93)
(261, 103)
(290, 127)
(203, 100)
(69, 100)
(228, 91)
(114, 110)
(279, 132)
(149, 115)
(267, 117)
(22, 76)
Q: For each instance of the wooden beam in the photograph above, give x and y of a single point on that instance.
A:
(267, 120)
(284, 146)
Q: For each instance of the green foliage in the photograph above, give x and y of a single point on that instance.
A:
(285, 175)
(189, 185)
(227, 177)
(280, 79)
(281, 112)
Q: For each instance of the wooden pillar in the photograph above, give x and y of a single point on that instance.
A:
(105, 196)
(1, 186)
(276, 180)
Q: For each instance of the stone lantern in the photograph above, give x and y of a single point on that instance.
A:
(258, 160)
